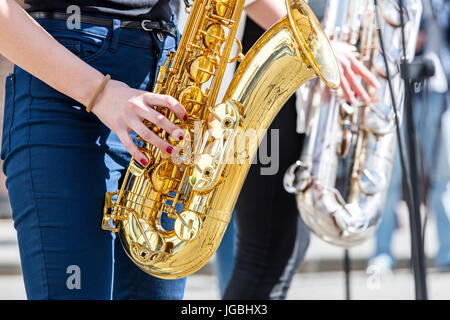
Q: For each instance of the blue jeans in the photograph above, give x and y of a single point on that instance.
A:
(440, 192)
(60, 161)
(436, 154)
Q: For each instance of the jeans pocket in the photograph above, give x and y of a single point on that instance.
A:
(85, 46)
(8, 114)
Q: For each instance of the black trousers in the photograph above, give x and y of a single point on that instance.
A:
(271, 238)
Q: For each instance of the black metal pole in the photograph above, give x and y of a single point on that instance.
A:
(409, 170)
(347, 269)
(417, 249)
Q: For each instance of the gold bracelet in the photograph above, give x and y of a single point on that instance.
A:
(97, 93)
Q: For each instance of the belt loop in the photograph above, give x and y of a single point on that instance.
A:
(115, 35)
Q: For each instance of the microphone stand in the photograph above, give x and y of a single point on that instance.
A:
(415, 223)
(414, 201)
(413, 72)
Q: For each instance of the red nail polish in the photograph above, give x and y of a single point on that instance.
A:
(144, 162)
(185, 118)
(180, 138)
(169, 150)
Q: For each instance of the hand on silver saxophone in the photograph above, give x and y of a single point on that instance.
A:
(351, 71)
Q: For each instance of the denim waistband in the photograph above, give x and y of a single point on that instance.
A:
(133, 37)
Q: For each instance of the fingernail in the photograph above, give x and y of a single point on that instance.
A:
(169, 150)
(180, 138)
(185, 117)
(144, 162)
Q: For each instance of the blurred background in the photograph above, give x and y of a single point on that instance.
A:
(380, 267)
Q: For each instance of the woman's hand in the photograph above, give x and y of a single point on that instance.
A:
(351, 70)
(124, 109)
(119, 107)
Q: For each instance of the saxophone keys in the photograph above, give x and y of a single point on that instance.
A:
(346, 110)
(350, 219)
(165, 177)
(203, 171)
(222, 118)
(187, 226)
(380, 119)
(201, 69)
(142, 253)
(224, 8)
(239, 56)
(345, 142)
(297, 178)
(136, 168)
(221, 123)
(391, 14)
(372, 182)
(213, 36)
(379, 66)
(192, 98)
(108, 222)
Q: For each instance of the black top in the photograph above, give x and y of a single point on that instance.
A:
(129, 9)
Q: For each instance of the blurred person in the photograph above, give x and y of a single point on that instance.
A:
(271, 237)
(60, 159)
(431, 121)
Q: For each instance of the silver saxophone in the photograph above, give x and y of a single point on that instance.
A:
(343, 174)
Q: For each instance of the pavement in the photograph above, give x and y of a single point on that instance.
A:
(305, 286)
(320, 276)
(331, 286)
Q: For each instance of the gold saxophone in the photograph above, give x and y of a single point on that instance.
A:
(342, 177)
(171, 215)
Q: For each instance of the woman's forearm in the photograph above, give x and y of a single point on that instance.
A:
(28, 45)
(266, 12)
(119, 107)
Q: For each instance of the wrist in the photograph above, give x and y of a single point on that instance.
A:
(88, 89)
(97, 93)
